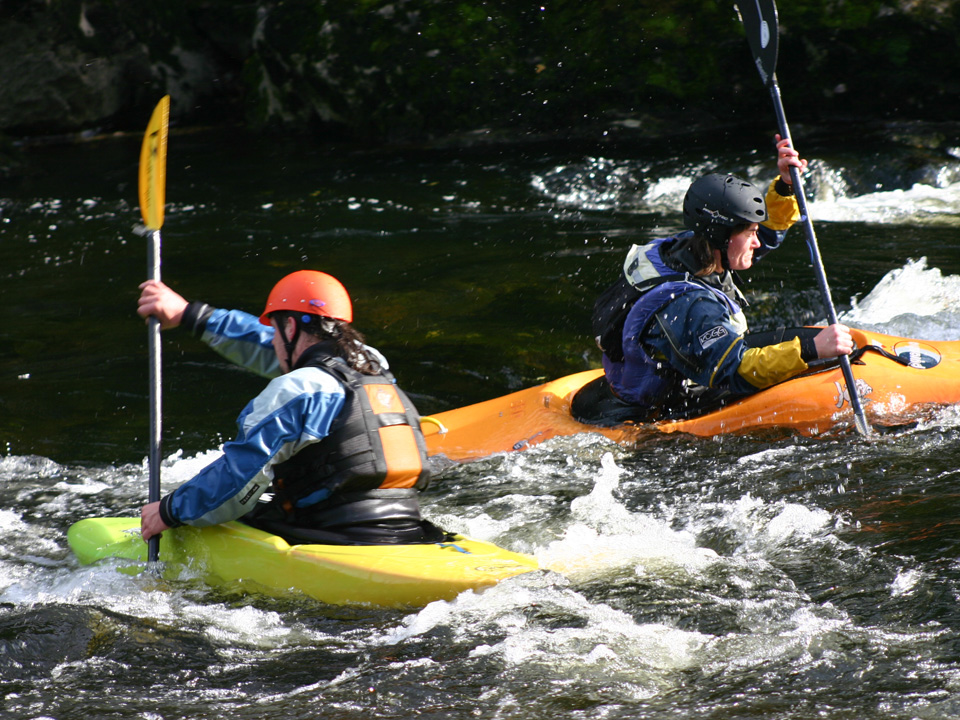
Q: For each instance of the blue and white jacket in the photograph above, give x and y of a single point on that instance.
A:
(295, 410)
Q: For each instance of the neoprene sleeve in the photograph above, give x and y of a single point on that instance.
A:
(768, 365)
(782, 210)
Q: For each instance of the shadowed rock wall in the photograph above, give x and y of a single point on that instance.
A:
(414, 69)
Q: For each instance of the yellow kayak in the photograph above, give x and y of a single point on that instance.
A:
(898, 380)
(396, 576)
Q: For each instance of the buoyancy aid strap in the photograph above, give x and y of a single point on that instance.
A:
(390, 419)
(653, 282)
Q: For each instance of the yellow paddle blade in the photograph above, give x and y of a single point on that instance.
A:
(153, 166)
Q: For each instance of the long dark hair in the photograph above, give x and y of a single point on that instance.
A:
(349, 342)
(692, 254)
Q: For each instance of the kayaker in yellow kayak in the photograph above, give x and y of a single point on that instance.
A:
(672, 331)
(332, 439)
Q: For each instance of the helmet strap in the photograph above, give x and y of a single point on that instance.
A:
(719, 239)
(724, 258)
(722, 234)
(288, 343)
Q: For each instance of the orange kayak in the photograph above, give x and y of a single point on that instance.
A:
(899, 380)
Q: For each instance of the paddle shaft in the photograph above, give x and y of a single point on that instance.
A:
(759, 18)
(152, 195)
(153, 350)
(860, 418)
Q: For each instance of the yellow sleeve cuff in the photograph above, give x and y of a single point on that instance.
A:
(766, 366)
(782, 212)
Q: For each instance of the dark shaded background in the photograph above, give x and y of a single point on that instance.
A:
(415, 70)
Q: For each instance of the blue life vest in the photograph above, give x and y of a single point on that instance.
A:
(639, 378)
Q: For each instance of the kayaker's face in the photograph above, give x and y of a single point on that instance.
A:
(741, 247)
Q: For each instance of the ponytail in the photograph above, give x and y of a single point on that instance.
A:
(349, 342)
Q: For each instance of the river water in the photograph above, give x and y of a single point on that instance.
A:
(723, 577)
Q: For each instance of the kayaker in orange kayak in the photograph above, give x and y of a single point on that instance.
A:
(331, 437)
(672, 329)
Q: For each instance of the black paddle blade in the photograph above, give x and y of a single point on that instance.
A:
(759, 18)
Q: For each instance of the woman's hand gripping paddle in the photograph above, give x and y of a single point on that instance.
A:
(759, 18)
(153, 178)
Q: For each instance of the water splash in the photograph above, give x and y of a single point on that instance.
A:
(596, 183)
(604, 536)
(539, 626)
(912, 301)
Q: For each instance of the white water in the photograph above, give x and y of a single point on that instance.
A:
(598, 536)
(919, 204)
(714, 576)
(602, 543)
(616, 610)
(598, 183)
(913, 301)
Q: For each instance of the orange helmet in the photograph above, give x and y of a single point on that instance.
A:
(312, 293)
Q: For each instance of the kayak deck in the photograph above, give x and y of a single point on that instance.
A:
(815, 402)
(396, 576)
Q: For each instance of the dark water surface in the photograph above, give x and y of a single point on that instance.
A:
(729, 577)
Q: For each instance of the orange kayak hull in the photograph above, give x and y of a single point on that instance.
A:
(816, 402)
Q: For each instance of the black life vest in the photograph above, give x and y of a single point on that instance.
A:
(609, 315)
(374, 445)
(612, 307)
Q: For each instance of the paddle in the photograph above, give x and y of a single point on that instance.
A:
(152, 186)
(759, 18)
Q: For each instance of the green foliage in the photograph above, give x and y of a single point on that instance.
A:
(405, 68)
(410, 69)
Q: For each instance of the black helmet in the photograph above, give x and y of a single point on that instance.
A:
(715, 204)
